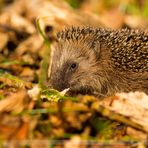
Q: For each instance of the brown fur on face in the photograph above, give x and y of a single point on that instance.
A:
(100, 62)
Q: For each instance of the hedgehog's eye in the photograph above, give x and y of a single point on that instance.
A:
(73, 66)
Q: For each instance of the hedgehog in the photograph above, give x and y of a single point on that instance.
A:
(100, 61)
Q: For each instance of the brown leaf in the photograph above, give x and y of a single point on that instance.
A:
(21, 134)
(136, 134)
(32, 44)
(132, 106)
(4, 40)
(6, 131)
(8, 125)
(17, 22)
(136, 22)
(15, 102)
(113, 19)
(27, 74)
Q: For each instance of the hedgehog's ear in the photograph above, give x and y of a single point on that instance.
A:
(96, 46)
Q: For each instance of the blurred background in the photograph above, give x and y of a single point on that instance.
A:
(22, 50)
(115, 13)
(111, 13)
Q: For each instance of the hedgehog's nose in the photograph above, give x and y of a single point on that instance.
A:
(58, 85)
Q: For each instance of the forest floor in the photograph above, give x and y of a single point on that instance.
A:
(32, 115)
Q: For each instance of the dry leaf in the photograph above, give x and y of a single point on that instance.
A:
(27, 74)
(113, 19)
(32, 44)
(34, 92)
(3, 40)
(16, 21)
(136, 22)
(22, 132)
(75, 142)
(15, 102)
(134, 106)
(136, 134)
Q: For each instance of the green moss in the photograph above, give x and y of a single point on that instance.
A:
(54, 95)
(1, 97)
(15, 82)
(74, 3)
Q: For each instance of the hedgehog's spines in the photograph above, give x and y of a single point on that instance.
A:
(129, 47)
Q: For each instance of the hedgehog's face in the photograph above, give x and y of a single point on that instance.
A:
(79, 63)
(74, 66)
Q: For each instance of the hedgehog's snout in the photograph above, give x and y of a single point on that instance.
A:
(58, 83)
